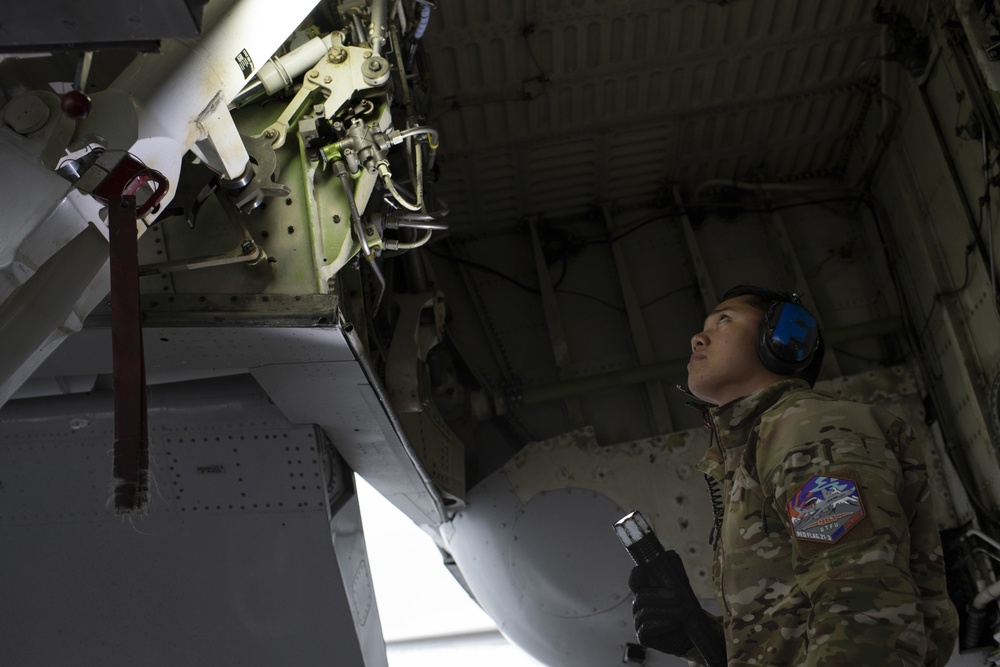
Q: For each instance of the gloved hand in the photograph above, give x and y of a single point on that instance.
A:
(659, 612)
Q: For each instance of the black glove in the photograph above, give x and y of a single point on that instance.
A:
(659, 612)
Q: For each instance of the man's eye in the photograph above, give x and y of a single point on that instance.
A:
(723, 318)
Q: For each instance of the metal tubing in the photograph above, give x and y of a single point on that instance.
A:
(340, 169)
(378, 28)
(416, 132)
(437, 226)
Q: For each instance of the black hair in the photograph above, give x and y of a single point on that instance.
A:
(761, 298)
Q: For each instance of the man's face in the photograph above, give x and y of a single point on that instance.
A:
(724, 365)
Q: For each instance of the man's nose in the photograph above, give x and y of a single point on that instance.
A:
(698, 340)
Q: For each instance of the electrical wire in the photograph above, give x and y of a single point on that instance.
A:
(772, 209)
(982, 510)
(637, 226)
(986, 204)
(667, 294)
(674, 212)
(993, 275)
(527, 288)
(486, 269)
(591, 297)
(529, 28)
(937, 297)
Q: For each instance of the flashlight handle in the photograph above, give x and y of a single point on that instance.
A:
(668, 569)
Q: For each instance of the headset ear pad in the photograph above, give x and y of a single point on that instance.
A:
(788, 338)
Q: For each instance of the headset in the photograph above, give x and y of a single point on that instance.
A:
(789, 337)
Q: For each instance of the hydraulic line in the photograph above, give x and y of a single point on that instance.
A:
(399, 245)
(340, 169)
(383, 170)
(417, 174)
(417, 131)
(416, 224)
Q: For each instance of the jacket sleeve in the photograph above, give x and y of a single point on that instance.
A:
(861, 586)
(693, 657)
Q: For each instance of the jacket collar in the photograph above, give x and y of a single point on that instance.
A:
(734, 420)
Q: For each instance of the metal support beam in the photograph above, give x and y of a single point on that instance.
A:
(676, 367)
(553, 319)
(709, 296)
(491, 336)
(640, 334)
(830, 366)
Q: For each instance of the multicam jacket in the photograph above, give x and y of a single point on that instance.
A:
(828, 552)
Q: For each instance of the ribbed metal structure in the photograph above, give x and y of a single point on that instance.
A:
(548, 108)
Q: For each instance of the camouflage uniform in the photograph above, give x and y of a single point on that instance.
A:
(872, 593)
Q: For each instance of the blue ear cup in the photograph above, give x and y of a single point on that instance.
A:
(788, 338)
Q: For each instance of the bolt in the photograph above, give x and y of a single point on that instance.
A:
(327, 79)
(270, 133)
(337, 55)
(336, 219)
(313, 74)
(247, 247)
(369, 231)
(368, 54)
(291, 230)
(374, 65)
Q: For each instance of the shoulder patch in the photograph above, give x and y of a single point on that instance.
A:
(825, 508)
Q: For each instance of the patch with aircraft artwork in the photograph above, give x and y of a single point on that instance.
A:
(825, 508)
